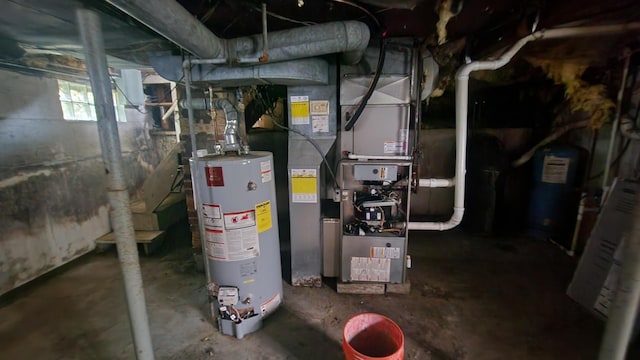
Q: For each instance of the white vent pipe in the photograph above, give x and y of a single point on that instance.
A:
(462, 105)
(179, 26)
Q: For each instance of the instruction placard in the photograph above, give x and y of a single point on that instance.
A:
(263, 216)
(385, 252)
(555, 169)
(370, 269)
(299, 110)
(233, 236)
(212, 216)
(304, 185)
(320, 123)
(265, 171)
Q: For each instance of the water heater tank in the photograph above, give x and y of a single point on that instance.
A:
(236, 202)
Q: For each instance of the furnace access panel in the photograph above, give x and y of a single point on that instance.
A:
(374, 213)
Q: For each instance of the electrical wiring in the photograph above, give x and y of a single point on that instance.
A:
(372, 86)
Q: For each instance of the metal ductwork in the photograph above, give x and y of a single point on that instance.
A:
(176, 24)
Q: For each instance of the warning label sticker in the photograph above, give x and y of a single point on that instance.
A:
(214, 176)
(320, 123)
(212, 215)
(555, 170)
(370, 269)
(304, 185)
(392, 147)
(265, 171)
(233, 237)
(299, 110)
(263, 216)
(238, 220)
(385, 252)
(270, 305)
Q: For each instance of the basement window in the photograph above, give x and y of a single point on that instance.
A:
(76, 100)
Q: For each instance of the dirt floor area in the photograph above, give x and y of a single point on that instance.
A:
(471, 298)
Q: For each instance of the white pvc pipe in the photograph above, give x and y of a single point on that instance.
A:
(462, 105)
(379, 157)
(616, 121)
(437, 183)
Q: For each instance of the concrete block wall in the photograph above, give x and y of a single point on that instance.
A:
(52, 180)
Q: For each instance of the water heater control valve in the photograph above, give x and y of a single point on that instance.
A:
(228, 296)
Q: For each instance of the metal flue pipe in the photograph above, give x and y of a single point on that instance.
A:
(462, 106)
(121, 220)
(179, 26)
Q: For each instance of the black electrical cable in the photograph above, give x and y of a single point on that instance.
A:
(374, 82)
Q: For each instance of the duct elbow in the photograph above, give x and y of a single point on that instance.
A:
(356, 36)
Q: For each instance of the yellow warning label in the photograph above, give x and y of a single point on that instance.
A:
(299, 110)
(263, 216)
(304, 186)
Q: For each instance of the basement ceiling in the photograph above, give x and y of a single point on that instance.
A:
(42, 33)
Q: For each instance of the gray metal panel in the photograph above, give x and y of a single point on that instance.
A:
(331, 247)
(257, 278)
(375, 172)
(379, 128)
(306, 243)
(360, 246)
(391, 89)
(315, 93)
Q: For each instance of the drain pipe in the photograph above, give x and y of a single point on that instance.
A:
(121, 220)
(616, 121)
(462, 105)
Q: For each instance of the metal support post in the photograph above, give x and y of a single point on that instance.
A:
(96, 62)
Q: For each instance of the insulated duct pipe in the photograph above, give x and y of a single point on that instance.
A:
(231, 133)
(117, 192)
(462, 106)
(175, 23)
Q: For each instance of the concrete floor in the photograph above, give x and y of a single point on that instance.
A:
(471, 298)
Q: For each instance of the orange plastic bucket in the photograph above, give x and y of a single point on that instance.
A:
(372, 336)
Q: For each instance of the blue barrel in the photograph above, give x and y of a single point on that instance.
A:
(554, 197)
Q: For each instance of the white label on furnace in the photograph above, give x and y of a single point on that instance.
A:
(320, 123)
(555, 169)
(320, 107)
(370, 269)
(212, 215)
(270, 305)
(385, 252)
(265, 171)
(392, 147)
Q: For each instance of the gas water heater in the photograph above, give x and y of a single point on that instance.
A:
(236, 202)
